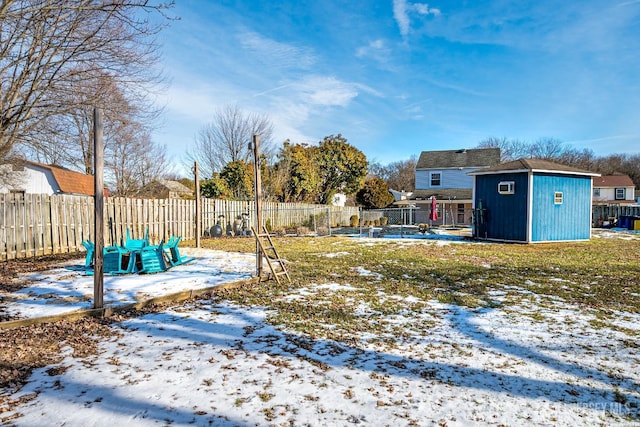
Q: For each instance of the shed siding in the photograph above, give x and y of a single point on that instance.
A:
(570, 220)
(506, 214)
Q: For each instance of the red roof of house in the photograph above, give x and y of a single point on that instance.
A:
(613, 181)
(69, 181)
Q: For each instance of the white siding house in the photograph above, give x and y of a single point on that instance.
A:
(613, 189)
(444, 175)
(37, 178)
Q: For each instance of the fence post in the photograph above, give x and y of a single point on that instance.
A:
(198, 206)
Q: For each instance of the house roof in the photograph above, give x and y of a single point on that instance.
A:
(613, 181)
(68, 181)
(464, 158)
(176, 186)
(532, 165)
(157, 188)
(443, 194)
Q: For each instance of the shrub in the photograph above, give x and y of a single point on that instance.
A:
(302, 231)
(353, 221)
(384, 220)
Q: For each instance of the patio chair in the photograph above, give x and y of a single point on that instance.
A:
(136, 244)
(118, 260)
(173, 253)
(90, 247)
(152, 259)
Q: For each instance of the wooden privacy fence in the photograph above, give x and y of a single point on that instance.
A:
(38, 224)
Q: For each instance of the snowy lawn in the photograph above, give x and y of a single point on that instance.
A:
(376, 332)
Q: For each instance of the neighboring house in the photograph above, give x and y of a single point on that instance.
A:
(613, 189)
(532, 201)
(165, 189)
(37, 178)
(443, 175)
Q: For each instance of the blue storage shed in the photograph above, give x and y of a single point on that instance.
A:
(531, 201)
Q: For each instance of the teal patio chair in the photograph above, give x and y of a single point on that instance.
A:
(152, 259)
(136, 244)
(173, 253)
(90, 247)
(118, 260)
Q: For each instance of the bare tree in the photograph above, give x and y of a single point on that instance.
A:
(65, 139)
(400, 175)
(510, 149)
(133, 161)
(547, 149)
(582, 159)
(227, 137)
(48, 48)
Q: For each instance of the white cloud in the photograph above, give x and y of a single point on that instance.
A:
(402, 9)
(628, 3)
(376, 49)
(401, 16)
(424, 9)
(196, 104)
(327, 91)
(283, 55)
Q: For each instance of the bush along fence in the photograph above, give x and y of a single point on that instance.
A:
(37, 224)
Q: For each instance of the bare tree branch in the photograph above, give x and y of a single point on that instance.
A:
(50, 47)
(226, 139)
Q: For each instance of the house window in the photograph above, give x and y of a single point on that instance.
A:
(506, 187)
(460, 212)
(436, 178)
(621, 193)
(557, 198)
(596, 192)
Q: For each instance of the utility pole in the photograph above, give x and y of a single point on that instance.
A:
(258, 195)
(98, 180)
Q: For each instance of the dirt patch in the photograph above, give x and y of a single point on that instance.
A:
(12, 271)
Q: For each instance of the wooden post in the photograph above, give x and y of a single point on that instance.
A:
(98, 170)
(258, 204)
(198, 206)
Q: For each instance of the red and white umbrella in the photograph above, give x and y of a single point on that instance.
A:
(433, 216)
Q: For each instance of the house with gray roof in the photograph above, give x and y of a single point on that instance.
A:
(165, 189)
(443, 175)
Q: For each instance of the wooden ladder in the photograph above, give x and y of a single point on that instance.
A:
(271, 254)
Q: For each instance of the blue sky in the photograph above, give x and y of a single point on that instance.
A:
(397, 77)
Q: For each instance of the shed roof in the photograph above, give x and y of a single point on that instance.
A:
(475, 157)
(613, 181)
(532, 165)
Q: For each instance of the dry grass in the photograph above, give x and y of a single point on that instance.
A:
(602, 275)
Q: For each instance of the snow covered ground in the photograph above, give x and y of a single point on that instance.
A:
(69, 288)
(533, 361)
